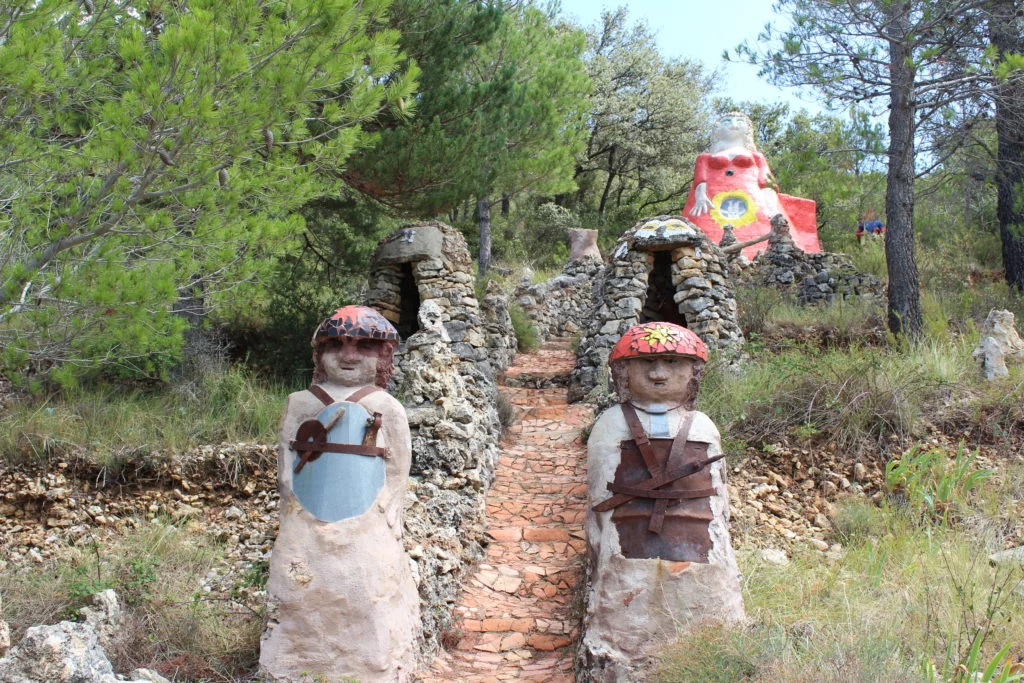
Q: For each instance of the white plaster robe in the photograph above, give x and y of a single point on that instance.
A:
(341, 597)
(634, 605)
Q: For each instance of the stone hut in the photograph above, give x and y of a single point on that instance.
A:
(445, 375)
(662, 269)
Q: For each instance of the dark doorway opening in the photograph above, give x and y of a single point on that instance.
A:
(409, 305)
(659, 305)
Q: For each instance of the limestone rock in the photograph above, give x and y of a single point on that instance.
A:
(1011, 556)
(68, 652)
(999, 342)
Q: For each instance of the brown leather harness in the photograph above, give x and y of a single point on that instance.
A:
(311, 437)
(653, 477)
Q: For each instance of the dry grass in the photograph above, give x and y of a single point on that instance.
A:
(172, 625)
(228, 406)
(899, 594)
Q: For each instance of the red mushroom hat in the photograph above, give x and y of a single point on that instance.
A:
(356, 322)
(659, 339)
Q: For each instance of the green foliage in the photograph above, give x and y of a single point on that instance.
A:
(503, 101)
(999, 669)
(526, 333)
(931, 483)
(646, 126)
(857, 396)
(158, 571)
(538, 237)
(897, 597)
(326, 272)
(154, 157)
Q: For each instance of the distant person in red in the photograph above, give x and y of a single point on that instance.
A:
(860, 231)
(732, 185)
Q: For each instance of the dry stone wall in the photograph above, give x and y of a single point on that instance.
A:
(692, 288)
(815, 278)
(561, 306)
(445, 375)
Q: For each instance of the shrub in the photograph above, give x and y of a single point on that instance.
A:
(526, 332)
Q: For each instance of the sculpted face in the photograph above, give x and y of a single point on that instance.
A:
(349, 362)
(659, 380)
(732, 130)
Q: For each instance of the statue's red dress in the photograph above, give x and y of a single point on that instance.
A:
(738, 188)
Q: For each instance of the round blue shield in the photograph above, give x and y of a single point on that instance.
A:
(337, 486)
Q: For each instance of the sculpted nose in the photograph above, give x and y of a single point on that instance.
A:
(348, 351)
(658, 371)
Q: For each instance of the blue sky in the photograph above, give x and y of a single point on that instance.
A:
(701, 31)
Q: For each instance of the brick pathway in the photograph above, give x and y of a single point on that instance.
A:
(518, 615)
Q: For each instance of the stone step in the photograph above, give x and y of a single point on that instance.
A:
(513, 640)
(559, 344)
(517, 487)
(533, 532)
(536, 379)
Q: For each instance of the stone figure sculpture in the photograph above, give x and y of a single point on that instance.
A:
(657, 529)
(733, 185)
(341, 597)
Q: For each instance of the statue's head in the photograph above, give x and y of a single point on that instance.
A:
(733, 129)
(354, 347)
(658, 362)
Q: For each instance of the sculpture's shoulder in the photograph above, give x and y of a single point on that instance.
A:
(608, 430)
(703, 429)
(302, 402)
(611, 418)
(383, 402)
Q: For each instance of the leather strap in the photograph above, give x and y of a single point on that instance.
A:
(672, 463)
(311, 450)
(328, 447)
(651, 484)
(360, 394)
(640, 437)
(319, 392)
(356, 397)
(666, 495)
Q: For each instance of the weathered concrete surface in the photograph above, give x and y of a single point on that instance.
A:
(636, 605)
(341, 597)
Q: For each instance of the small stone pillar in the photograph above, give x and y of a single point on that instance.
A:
(341, 598)
(583, 245)
(999, 341)
(660, 557)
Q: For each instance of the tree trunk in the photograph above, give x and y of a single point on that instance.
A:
(483, 209)
(1005, 33)
(904, 294)
(607, 185)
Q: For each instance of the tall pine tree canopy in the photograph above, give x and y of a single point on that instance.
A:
(500, 108)
(150, 152)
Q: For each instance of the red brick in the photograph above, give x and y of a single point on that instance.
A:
(506, 535)
(543, 534)
(547, 643)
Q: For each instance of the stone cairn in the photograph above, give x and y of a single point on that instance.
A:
(691, 286)
(445, 374)
(557, 307)
(999, 341)
(819, 278)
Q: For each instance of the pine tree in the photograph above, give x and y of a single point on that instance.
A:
(152, 153)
